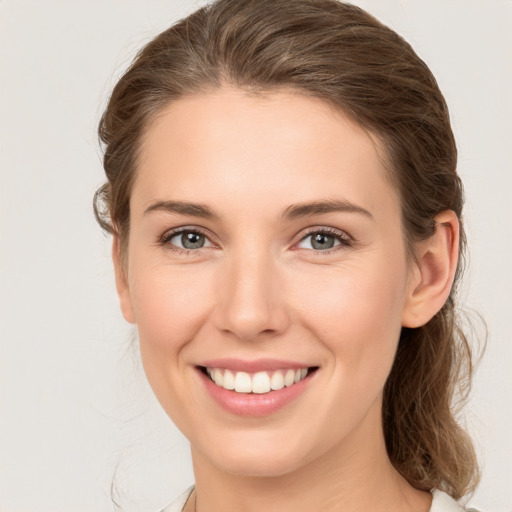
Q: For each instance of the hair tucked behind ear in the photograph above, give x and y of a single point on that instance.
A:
(342, 55)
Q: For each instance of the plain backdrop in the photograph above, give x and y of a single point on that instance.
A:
(77, 421)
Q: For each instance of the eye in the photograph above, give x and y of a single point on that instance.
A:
(323, 240)
(186, 239)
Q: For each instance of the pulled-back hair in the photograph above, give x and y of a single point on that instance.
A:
(338, 53)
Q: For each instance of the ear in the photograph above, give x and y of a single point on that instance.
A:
(433, 271)
(123, 290)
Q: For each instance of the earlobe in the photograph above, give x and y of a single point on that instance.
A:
(123, 290)
(434, 271)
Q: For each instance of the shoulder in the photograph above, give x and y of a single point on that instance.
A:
(178, 504)
(442, 502)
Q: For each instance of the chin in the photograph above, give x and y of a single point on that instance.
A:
(260, 457)
(254, 465)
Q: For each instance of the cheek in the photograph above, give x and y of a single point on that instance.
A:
(356, 311)
(170, 306)
(355, 314)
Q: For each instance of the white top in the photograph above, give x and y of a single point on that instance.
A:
(441, 502)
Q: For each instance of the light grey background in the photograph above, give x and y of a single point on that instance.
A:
(74, 402)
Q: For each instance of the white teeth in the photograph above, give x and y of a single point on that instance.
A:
(289, 378)
(243, 382)
(259, 383)
(229, 380)
(277, 381)
(218, 377)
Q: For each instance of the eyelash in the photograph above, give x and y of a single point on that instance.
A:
(168, 235)
(345, 240)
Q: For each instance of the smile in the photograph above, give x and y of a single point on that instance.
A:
(260, 382)
(255, 388)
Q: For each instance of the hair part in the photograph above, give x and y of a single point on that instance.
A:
(342, 55)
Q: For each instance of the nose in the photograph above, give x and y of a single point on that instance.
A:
(251, 300)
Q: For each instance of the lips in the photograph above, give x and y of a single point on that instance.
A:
(255, 388)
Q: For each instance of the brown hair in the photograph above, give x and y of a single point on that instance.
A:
(342, 55)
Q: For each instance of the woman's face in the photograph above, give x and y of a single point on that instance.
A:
(265, 239)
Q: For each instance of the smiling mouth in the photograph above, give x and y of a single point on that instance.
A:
(259, 382)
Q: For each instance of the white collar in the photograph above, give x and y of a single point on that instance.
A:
(441, 502)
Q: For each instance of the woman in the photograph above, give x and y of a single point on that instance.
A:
(286, 219)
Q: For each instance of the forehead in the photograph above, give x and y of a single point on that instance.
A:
(280, 147)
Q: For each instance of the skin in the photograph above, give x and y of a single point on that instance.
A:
(258, 288)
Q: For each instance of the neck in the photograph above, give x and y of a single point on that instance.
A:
(356, 474)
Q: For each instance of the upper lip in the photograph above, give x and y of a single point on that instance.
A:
(256, 365)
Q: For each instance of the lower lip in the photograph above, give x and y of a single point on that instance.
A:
(253, 404)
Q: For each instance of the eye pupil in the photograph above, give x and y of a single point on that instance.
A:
(322, 241)
(191, 240)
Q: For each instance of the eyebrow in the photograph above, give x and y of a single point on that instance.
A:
(293, 211)
(184, 208)
(296, 211)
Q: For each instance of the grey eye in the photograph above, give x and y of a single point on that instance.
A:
(190, 240)
(322, 241)
(319, 241)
